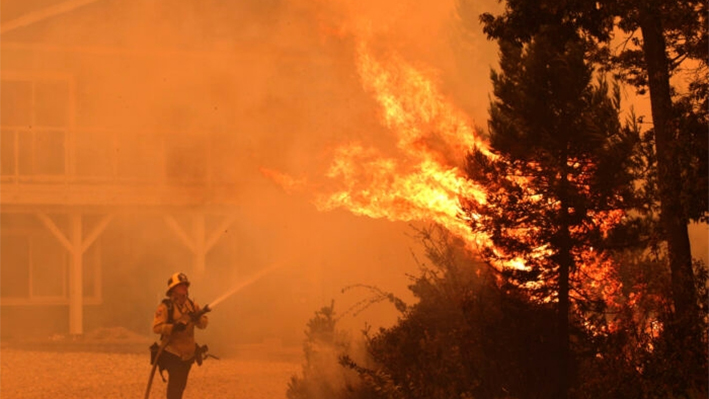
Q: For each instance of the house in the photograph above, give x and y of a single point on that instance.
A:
(125, 134)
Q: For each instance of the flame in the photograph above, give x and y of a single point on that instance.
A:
(287, 182)
(415, 111)
(423, 182)
(420, 180)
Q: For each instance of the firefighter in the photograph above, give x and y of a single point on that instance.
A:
(175, 320)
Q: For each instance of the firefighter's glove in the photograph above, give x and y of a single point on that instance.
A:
(195, 316)
(179, 326)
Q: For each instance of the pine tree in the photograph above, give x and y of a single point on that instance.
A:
(664, 38)
(557, 175)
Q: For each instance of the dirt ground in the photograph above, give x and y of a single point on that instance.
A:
(70, 372)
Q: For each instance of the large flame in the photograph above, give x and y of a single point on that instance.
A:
(422, 180)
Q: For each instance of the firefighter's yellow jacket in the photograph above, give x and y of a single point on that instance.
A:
(181, 343)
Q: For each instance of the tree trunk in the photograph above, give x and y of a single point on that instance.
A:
(565, 261)
(672, 216)
(563, 316)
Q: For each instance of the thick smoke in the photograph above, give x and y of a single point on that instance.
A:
(171, 91)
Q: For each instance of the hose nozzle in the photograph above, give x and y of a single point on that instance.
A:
(195, 316)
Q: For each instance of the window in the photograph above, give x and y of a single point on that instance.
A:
(15, 270)
(48, 267)
(34, 129)
(35, 265)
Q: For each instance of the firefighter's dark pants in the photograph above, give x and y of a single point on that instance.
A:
(178, 371)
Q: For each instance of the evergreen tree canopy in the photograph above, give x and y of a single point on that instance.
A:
(563, 157)
(559, 179)
(663, 40)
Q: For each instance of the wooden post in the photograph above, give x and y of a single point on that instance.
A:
(200, 251)
(198, 242)
(76, 280)
(76, 245)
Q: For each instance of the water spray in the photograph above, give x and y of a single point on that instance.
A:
(255, 277)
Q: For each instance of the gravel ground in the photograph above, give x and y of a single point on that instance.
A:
(27, 374)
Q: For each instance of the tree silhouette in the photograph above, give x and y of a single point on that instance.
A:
(558, 177)
(665, 38)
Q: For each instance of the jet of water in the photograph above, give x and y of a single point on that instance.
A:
(252, 279)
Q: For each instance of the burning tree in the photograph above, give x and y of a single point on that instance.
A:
(559, 181)
(662, 40)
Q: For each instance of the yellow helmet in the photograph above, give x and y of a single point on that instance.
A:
(175, 280)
